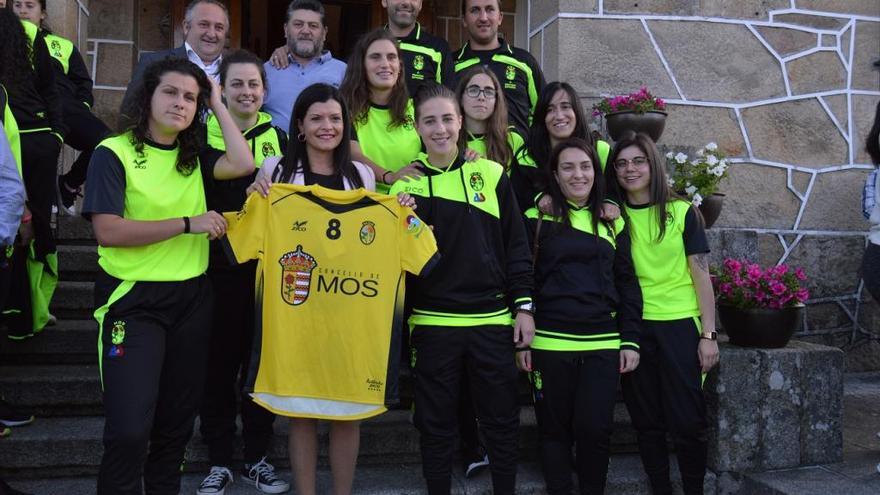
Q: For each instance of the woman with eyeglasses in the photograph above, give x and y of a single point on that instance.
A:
(484, 108)
(677, 342)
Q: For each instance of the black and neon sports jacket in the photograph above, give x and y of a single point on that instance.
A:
(519, 74)
(71, 74)
(37, 104)
(484, 270)
(587, 295)
(425, 58)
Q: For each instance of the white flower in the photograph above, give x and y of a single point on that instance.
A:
(670, 181)
(701, 152)
(695, 163)
(712, 146)
(669, 155)
(711, 160)
(719, 171)
(690, 190)
(723, 163)
(698, 200)
(681, 157)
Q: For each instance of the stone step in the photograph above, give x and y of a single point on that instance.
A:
(71, 445)
(77, 262)
(624, 478)
(60, 390)
(73, 300)
(75, 229)
(68, 342)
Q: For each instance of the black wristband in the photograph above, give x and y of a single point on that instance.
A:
(186, 225)
(384, 181)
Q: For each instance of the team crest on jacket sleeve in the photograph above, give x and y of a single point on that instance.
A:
(296, 276)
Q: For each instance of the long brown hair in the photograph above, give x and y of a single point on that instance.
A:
(356, 90)
(497, 145)
(660, 193)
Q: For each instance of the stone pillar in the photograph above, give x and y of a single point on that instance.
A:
(775, 408)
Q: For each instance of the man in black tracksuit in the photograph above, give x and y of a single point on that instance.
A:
(426, 57)
(461, 313)
(517, 70)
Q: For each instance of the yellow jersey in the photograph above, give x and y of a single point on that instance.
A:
(329, 296)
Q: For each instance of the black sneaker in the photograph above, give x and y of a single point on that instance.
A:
(216, 481)
(475, 466)
(9, 416)
(262, 476)
(66, 196)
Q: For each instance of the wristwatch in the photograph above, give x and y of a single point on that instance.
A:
(528, 307)
(713, 335)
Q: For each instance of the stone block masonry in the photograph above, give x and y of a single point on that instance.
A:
(775, 408)
(785, 87)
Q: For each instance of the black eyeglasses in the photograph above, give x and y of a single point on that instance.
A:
(474, 91)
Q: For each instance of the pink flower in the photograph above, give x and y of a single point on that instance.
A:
(732, 265)
(754, 272)
(777, 288)
(799, 273)
(802, 295)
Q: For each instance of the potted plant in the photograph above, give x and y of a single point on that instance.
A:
(698, 178)
(759, 307)
(640, 112)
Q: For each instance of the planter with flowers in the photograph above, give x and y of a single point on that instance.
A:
(639, 112)
(759, 307)
(698, 178)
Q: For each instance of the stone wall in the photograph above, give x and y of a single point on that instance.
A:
(786, 88)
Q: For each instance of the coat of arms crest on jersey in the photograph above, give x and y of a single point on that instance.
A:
(296, 276)
(510, 73)
(418, 62)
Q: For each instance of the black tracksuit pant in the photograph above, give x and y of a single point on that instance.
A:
(574, 396)
(232, 334)
(485, 356)
(85, 132)
(39, 157)
(665, 394)
(153, 354)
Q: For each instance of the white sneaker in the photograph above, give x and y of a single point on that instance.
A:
(262, 476)
(215, 483)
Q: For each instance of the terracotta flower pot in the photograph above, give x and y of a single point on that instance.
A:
(651, 123)
(711, 208)
(760, 327)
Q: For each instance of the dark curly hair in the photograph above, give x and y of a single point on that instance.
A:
(136, 114)
(15, 53)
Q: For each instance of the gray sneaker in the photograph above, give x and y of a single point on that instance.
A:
(216, 481)
(262, 476)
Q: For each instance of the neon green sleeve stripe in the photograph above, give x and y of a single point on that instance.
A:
(460, 66)
(459, 321)
(462, 315)
(550, 344)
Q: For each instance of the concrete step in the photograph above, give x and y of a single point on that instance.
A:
(68, 342)
(71, 445)
(73, 300)
(60, 390)
(77, 262)
(624, 478)
(76, 229)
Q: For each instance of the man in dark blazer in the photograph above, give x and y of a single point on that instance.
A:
(205, 27)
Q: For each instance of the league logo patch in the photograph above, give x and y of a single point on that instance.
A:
(116, 351)
(476, 181)
(414, 226)
(296, 276)
(268, 150)
(117, 333)
(419, 62)
(368, 233)
(479, 197)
